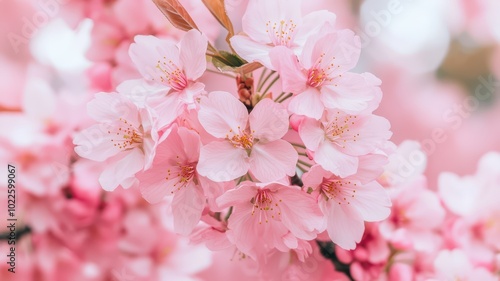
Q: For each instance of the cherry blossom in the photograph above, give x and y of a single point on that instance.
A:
(247, 142)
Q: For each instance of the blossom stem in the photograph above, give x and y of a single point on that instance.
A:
(261, 77)
(304, 163)
(262, 83)
(241, 179)
(303, 154)
(276, 99)
(228, 213)
(285, 98)
(301, 168)
(271, 84)
(298, 145)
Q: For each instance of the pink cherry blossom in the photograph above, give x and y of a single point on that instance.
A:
(171, 71)
(347, 204)
(339, 138)
(270, 216)
(173, 172)
(124, 137)
(276, 23)
(247, 142)
(410, 225)
(320, 77)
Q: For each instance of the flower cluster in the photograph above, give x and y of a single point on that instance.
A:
(263, 170)
(236, 139)
(448, 234)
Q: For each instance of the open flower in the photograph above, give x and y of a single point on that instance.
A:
(319, 77)
(265, 215)
(125, 137)
(338, 139)
(173, 172)
(246, 142)
(170, 71)
(276, 23)
(347, 203)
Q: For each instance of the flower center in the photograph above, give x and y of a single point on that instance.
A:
(341, 191)
(263, 204)
(338, 128)
(321, 72)
(183, 174)
(281, 33)
(127, 136)
(173, 75)
(316, 77)
(243, 140)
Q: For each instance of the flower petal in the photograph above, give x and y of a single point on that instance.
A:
(311, 133)
(307, 103)
(272, 161)
(252, 51)
(332, 160)
(187, 206)
(372, 202)
(121, 170)
(221, 161)
(345, 227)
(287, 65)
(268, 120)
(221, 113)
(193, 47)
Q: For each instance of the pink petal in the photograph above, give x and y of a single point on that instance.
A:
(95, 143)
(300, 213)
(252, 51)
(373, 133)
(272, 161)
(313, 23)
(192, 54)
(187, 206)
(222, 114)
(260, 12)
(350, 93)
(314, 177)
(307, 103)
(311, 133)
(268, 120)
(345, 227)
(117, 172)
(139, 91)
(168, 109)
(242, 228)
(153, 185)
(148, 50)
(243, 194)
(370, 167)
(332, 160)
(109, 107)
(286, 63)
(342, 48)
(221, 161)
(372, 202)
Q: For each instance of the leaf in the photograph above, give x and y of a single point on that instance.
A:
(176, 14)
(241, 68)
(218, 10)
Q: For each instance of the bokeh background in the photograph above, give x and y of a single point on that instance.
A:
(439, 61)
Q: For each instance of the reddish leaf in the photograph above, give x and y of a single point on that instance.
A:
(218, 10)
(176, 14)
